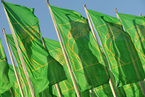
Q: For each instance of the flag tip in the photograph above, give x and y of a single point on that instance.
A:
(47, 1)
(116, 10)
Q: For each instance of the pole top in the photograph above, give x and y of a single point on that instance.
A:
(116, 10)
(140, 14)
(47, 1)
(3, 30)
(85, 5)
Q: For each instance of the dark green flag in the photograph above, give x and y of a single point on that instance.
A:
(123, 58)
(135, 27)
(6, 94)
(85, 58)
(43, 69)
(129, 90)
(4, 69)
(66, 86)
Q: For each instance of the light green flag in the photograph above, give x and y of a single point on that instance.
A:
(83, 52)
(135, 27)
(43, 69)
(123, 58)
(66, 86)
(5, 84)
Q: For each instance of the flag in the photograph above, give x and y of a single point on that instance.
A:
(5, 84)
(124, 61)
(6, 94)
(83, 51)
(66, 86)
(129, 90)
(132, 90)
(135, 28)
(42, 68)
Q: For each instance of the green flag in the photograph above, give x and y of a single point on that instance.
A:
(132, 90)
(4, 68)
(66, 86)
(6, 94)
(85, 58)
(129, 90)
(123, 58)
(42, 68)
(135, 27)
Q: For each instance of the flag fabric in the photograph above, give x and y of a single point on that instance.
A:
(15, 91)
(129, 90)
(123, 58)
(135, 27)
(6, 94)
(42, 68)
(132, 90)
(36, 82)
(5, 84)
(66, 86)
(83, 51)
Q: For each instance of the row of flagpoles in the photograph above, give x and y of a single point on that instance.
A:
(111, 81)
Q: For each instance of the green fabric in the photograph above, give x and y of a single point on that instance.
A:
(4, 68)
(66, 86)
(38, 83)
(85, 58)
(129, 90)
(132, 90)
(15, 89)
(135, 27)
(103, 91)
(6, 94)
(123, 58)
(42, 68)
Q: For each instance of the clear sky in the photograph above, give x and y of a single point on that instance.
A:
(134, 7)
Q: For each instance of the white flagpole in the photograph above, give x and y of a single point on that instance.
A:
(20, 55)
(13, 63)
(93, 32)
(64, 52)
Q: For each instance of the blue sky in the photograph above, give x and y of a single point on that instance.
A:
(134, 7)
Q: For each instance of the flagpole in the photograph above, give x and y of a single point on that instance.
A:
(93, 32)
(64, 51)
(56, 85)
(20, 55)
(13, 63)
(140, 14)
